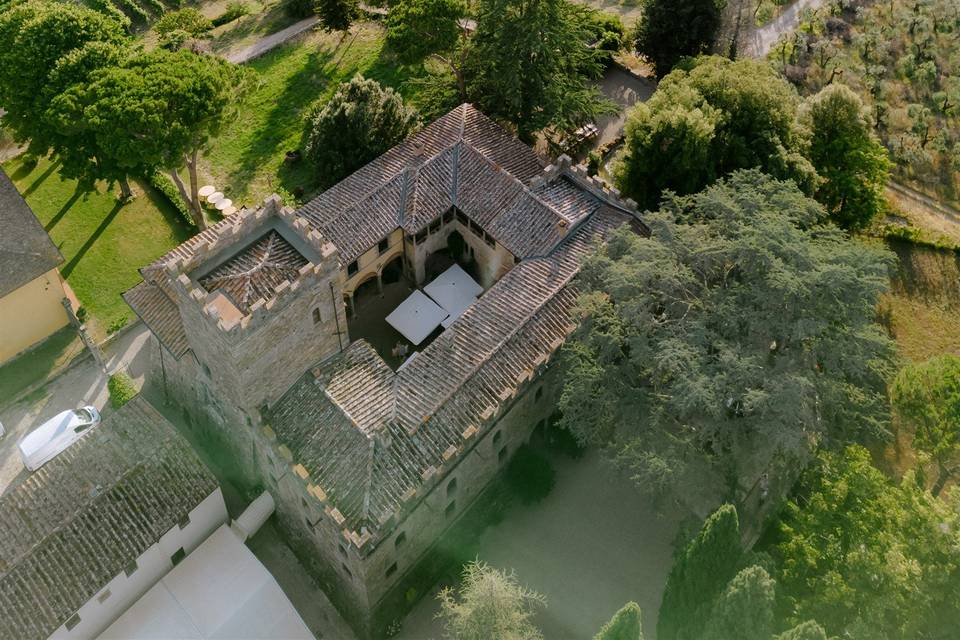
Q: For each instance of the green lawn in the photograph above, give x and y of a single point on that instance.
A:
(246, 160)
(103, 244)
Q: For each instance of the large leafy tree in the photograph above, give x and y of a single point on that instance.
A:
(39, 42)
(337, 15)
(359, 123)
(669, 30)
(926, 396)
(708, 118)
(868, 558)
(850, 159)
(742, 324)
(698, 576)
(529, 65)
(490, 604)
(156, 112)
(625, 625)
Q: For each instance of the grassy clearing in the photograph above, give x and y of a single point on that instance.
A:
(37, 365)
(103, 243)
(246, 161)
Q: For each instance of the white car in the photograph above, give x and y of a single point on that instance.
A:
(55, 435)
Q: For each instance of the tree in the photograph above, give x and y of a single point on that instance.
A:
(157, 112)
(850, 160)
(808, 630)
(625, 625)
(745, 608)
(865, 557)
(34, 37)
(698, 576)
(669, 30)
(417, 29)
(926, 396)
(491, 604)
(336, 15)
(189, 20)
(529, 64)
(360, 122)
(707, 119)
(742, 325)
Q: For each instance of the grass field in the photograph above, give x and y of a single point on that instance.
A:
(246, 160)
(103, 243)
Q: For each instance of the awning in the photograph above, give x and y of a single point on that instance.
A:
(455, 291)
(416, 317)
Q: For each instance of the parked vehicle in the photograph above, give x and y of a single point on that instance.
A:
(55, 435)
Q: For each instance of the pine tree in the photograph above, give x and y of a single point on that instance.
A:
(624, 625)
(745, 609)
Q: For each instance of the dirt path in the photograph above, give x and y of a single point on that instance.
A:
(271, 41)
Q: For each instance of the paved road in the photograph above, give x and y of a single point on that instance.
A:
(84, 384)
(762, 40)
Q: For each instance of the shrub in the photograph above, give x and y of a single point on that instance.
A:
(189, 20)
(165, 186)
(234, 11)
(530, 475)
(299, 8)
(121, 388)
(562, 441)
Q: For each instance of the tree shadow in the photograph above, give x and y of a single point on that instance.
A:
(41, 178)
(182, 229)
(63, 210)
(71, 265)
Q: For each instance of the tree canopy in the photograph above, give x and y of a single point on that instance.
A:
(417, 29)
(625, 625)
(708, 118)
(360, 122)
(743, 322)
(490, 604)
(850, 160)
(669, 30)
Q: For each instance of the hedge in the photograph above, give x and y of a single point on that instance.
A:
(165, 186)
(121, 388)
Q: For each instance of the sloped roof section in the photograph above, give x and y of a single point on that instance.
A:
(85, 515)
(26, 251)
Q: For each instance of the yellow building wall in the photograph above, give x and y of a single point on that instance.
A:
(30, 314)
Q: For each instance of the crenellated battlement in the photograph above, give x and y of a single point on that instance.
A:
(578, 173)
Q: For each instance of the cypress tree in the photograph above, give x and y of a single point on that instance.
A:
(624, 625)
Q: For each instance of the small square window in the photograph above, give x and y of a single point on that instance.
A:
(434, 226)
(451, 486)
(346, 570)
(448, 216)
(184, 522)
(450, 508)
(489, 239)
(401, 538)
(497, 436)
(392, 570)
(72, 622)
(130, 569)
(352, 268)
(475, 228)
(103, 597)
(538, 394)
(383, 246)
(420, 237)
(516, 259)
(502, 455)
(178, 556)
(316, 316)
(462, 218)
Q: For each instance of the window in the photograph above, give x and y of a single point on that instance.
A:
(401, 538)
(462, 218)
(104, 596)
(538, 394)
(352, 268)
(417, 239)
(497, 436)
(434, 226)
(184, 521)
(130, 569)
(516, 259)
(502, 455)
(343, 550)
(448, 216)
(316, 316)
(346, 570)
(72, 622)
(450, 508)
(489, 239)
(475, 228)
(451, 486)
(178, 556)
(392, 570)
(383, 246)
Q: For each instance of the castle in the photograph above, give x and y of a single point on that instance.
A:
(264, 335)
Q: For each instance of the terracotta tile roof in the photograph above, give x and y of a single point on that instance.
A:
(26, 250)
(160, 313)
(85, 515)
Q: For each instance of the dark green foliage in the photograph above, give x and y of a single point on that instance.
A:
(234, 11)
(189, 20)
(419, 28)
(698, 576)
(707, 119)
(673, 29)
(563, 441)
(121, 388)
(336, 15)
(625, 625)
(165, 186)
(607, 34)
(850, 160)
(359, 123)
(742, 324)
(529, 65)
(299, 8)
(808, 630)
(745, 608)
(530, 475)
